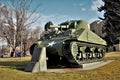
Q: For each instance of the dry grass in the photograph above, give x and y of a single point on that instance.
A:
(113, 54)
(15, 59)
(13, 69)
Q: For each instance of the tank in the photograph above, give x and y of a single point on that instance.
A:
(71, 43)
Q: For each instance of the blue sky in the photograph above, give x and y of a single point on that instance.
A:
(59, 11)
(63, 10)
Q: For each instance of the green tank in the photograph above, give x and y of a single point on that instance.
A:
(71, 44)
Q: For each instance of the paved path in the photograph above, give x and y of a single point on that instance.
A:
(88, 66)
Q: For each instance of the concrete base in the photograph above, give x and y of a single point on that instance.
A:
(87, 66)
(95, 65)
(38, 61)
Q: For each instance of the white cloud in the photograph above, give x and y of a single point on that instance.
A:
(2, 5)
(53, 17)
(81, 5)
(45, 18)
(96, 4)
(92, 20)
(94, 7)
(83, 9)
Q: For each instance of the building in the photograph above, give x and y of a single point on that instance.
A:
(97, 27)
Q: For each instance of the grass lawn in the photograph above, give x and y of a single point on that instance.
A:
(13, 69)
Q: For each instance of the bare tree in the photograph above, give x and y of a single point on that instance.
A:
(34, 36)
(15, 19)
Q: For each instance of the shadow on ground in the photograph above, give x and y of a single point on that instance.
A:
(19, 65)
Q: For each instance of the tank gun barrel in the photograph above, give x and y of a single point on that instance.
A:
(61, 26)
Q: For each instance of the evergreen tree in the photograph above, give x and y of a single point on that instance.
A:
(111, 20)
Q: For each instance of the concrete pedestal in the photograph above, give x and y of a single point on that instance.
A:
(38, 61)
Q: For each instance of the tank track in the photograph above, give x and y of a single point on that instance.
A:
(78, 53)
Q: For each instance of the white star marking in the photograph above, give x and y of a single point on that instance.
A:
(51, 43)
